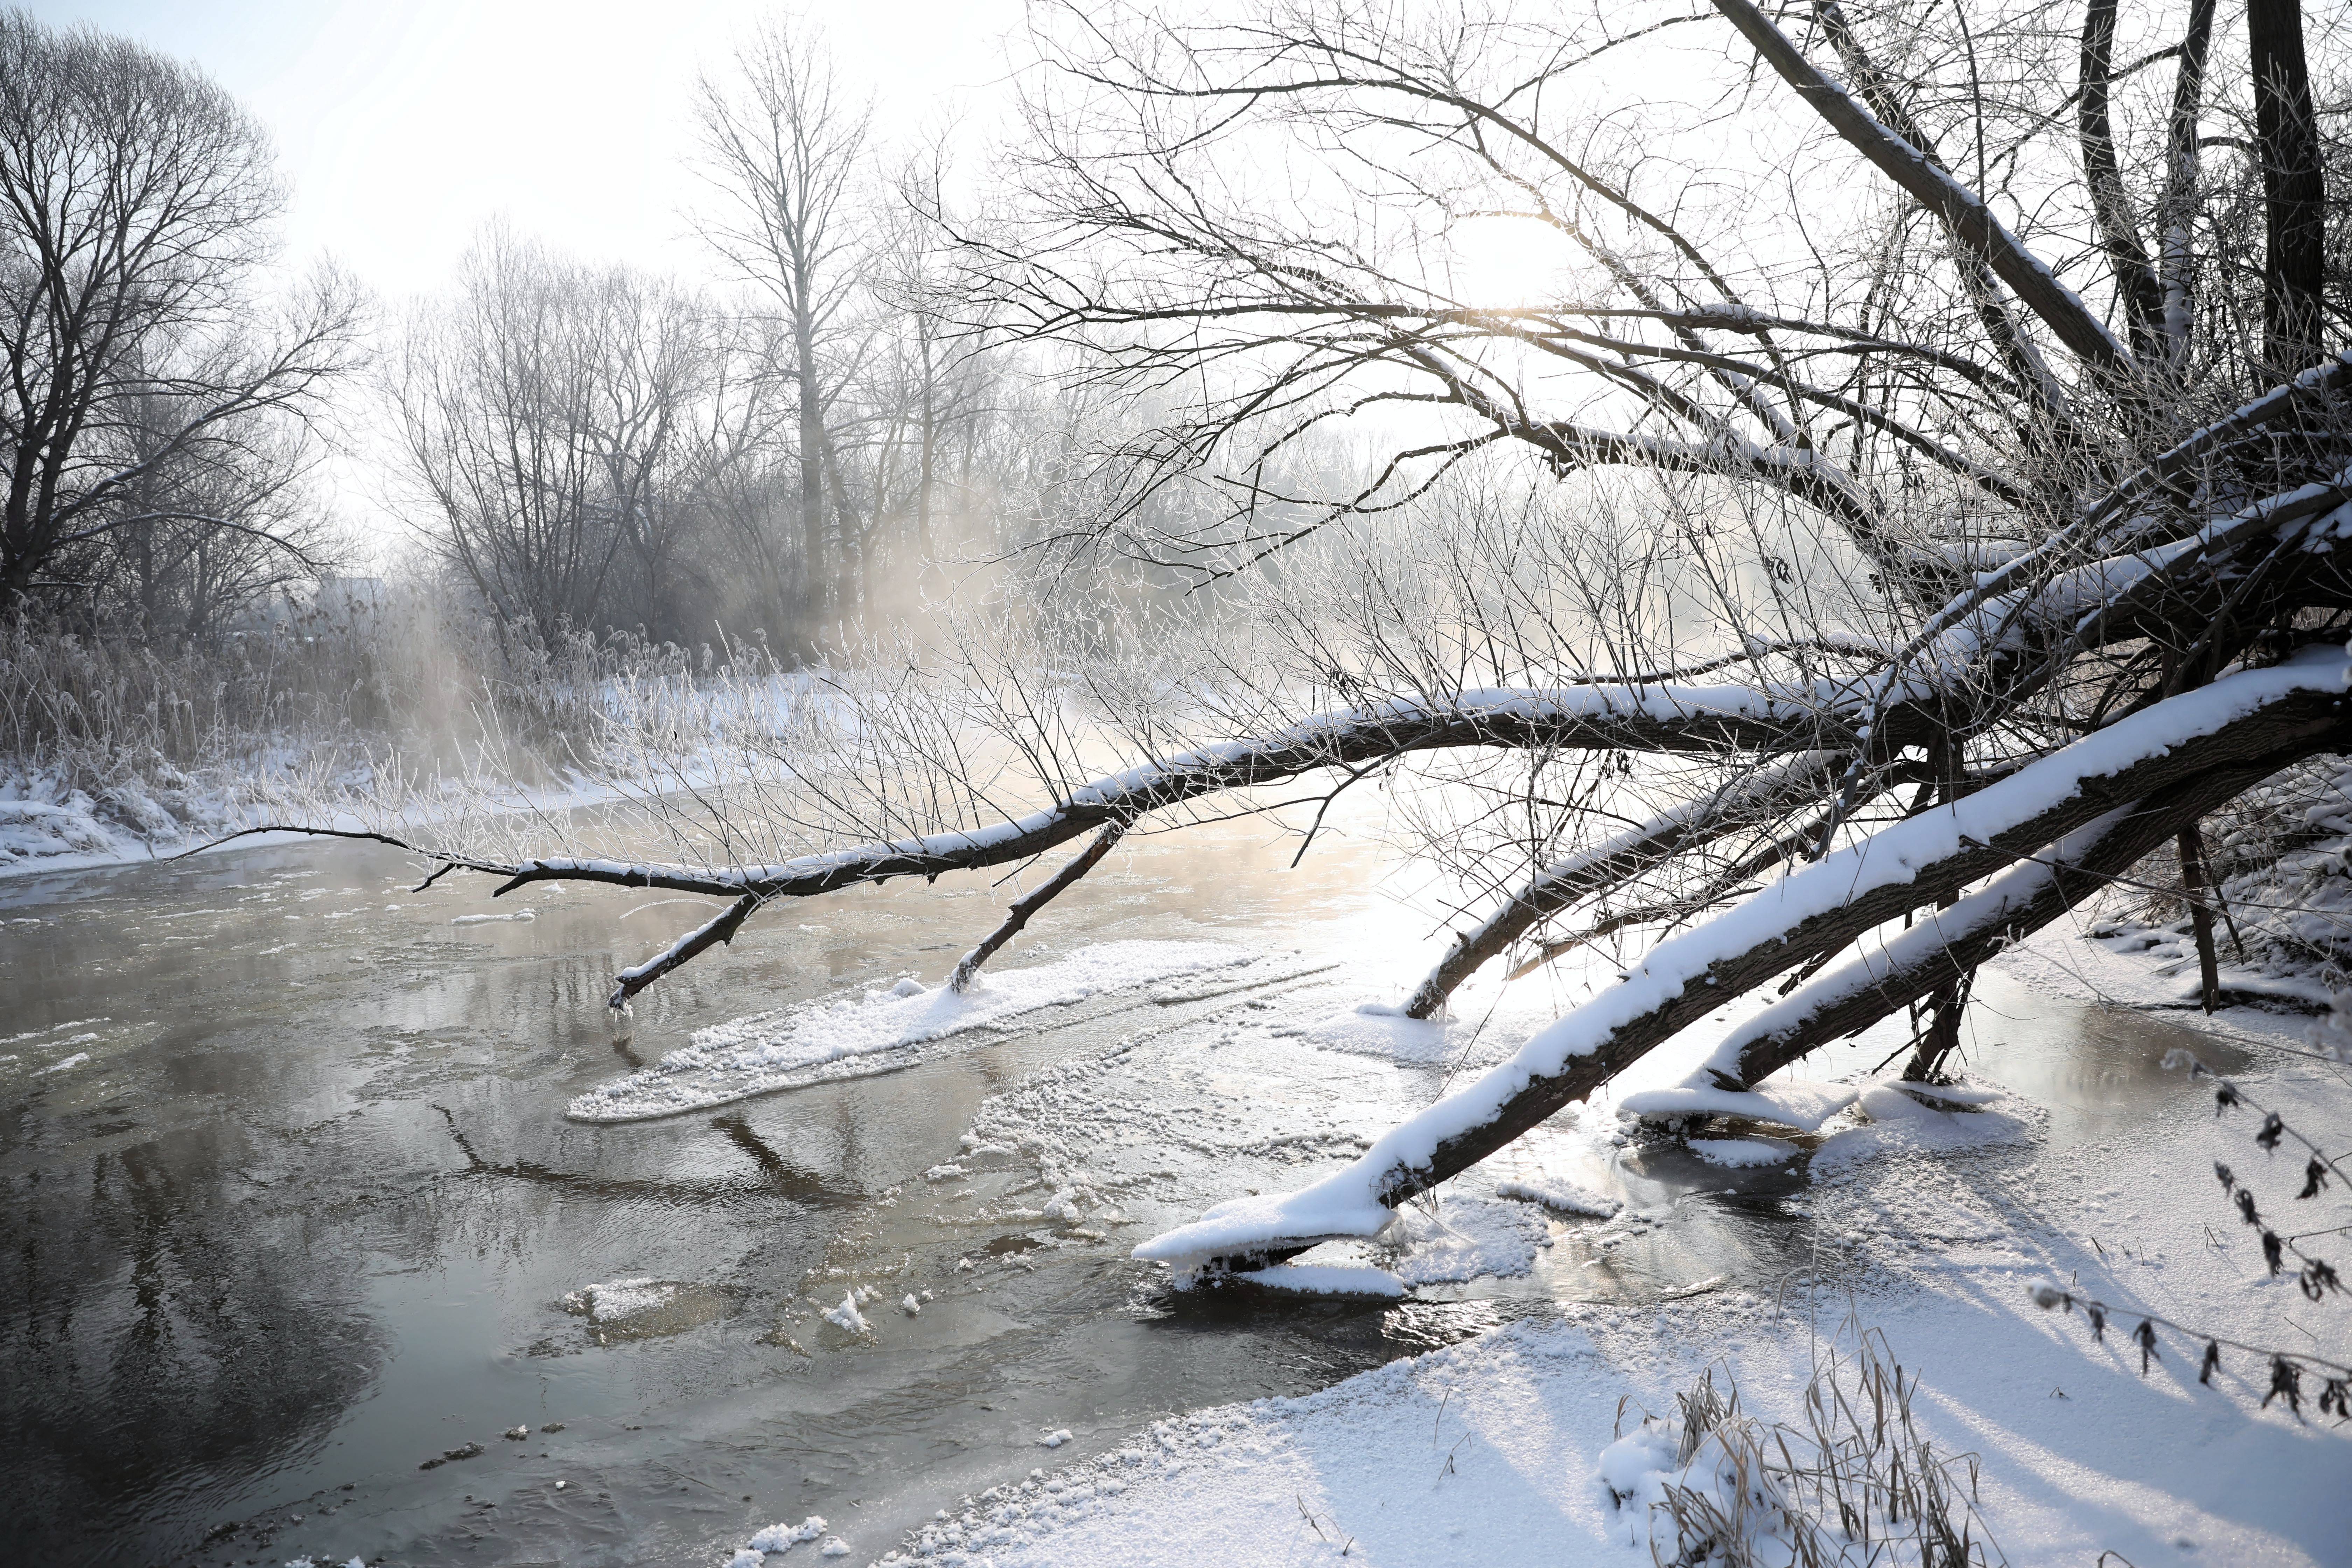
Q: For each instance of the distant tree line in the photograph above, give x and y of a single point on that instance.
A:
(576, 446)
(597, 446)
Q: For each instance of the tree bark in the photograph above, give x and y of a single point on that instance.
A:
(2110, 206)
(2191, 846)
(2180, 173)
(2295, 195)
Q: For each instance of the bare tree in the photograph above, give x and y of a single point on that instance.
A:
(943, 380)
(786, 148)
(676, 403)
(136, 200)
(496, 390)
(2294, 195)
(182, 573)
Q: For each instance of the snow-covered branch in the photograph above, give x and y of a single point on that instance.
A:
(2292, 710)
(1962, 211)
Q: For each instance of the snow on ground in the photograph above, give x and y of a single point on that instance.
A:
(782, 1049)
(1930, 1224)
(48, 824)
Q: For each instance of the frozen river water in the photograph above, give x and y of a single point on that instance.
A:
(295, 1205)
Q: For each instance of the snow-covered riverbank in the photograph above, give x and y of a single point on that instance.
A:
(46, 826)
(49, 825)
(1493, 1451)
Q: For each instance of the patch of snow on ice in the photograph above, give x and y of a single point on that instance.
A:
(619, 1299)
(1794, 1103)
(494, 919)
(1898, 1124)
(779, 1050)
(1468, 1238)
(784, 1537)
(1327, 1280)
(74, 1060)
(1562, 1197)
(1377, 1029)
(846, 1316)
(1740, 1154)
(1055, 1439)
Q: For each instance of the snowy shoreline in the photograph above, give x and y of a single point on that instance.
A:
(126, 825)
(1494, 1450)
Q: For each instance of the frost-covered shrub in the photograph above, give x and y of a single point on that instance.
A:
(106, 741)
(1856, 1483)
(2281, 857)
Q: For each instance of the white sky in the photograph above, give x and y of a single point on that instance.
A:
(406, 124)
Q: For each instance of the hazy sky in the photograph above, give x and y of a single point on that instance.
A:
(405, 125)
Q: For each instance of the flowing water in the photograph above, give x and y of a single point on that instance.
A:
(294, 1207)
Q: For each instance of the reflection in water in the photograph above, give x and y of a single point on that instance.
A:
(306, 1216)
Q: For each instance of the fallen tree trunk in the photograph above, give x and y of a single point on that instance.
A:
(2241, 720)
(1950, 942)
(1993, 651)
(1717, 719)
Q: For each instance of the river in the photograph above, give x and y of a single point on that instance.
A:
(295, 1206)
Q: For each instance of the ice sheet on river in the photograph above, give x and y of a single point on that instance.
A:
(819, 1040)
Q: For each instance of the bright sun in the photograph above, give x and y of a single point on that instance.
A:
(1503, 260)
